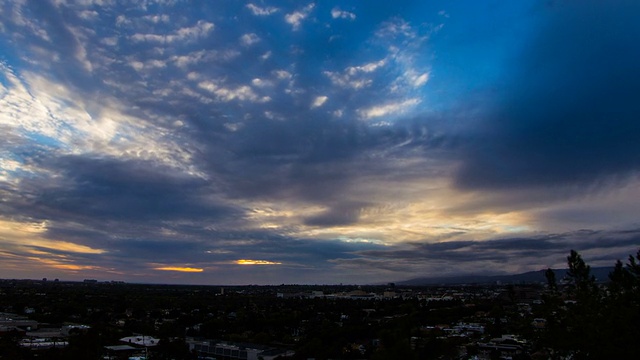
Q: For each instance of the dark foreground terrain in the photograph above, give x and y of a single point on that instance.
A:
(571, 317)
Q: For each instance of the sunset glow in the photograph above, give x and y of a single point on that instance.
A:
(179, 269)
(256, 262)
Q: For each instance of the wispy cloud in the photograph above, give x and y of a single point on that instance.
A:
(261, 11)
(242, 93)
(355, 77)
(394, 108)
(295, 18)
(336, 13)
(199, 30)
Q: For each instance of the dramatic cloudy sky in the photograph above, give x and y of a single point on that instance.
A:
(230, 142)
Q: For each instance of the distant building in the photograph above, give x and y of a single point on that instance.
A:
(507, 346)
(300, 295)
(13, 320)
(140, 340)
(240, 351)
(42, 343)
(68, 330)
(389, 294)
(121, 351)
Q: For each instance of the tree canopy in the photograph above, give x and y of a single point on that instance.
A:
(587, 320)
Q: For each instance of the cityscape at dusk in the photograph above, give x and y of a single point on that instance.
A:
(328, 142)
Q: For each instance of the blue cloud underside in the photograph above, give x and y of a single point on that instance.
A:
(571, 109)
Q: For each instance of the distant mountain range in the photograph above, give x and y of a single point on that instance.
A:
(601, 274)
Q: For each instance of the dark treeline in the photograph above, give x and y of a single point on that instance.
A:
(590, 321)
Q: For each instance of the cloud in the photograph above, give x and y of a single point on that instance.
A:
(319, 101)
(419, 80)
(343, 214)
(295, 18)
(180, 152)
(109, 191)
(81, 51)
(355, 77)
(197, 59)
(179, 269)
(242, 93)
(52, 113)
(180, 144)
(256, 262)
(387, 109)
(64, 247)
(261, 11)
(283, 74)
(567, 113)
(163, 18)
(249, 39)
(396, 27)
(497, 256)
(336, 13)
(200, 30)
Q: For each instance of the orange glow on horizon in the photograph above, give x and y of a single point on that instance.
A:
(62, 264)
(74, 267)
(256, 262)
(178, 268)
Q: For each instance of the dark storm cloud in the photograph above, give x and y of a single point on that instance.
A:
(513, 249)
(569, 112)
(132, 246)
(344, 214)
(139, 243)
(315, 159)
(124, 190)
(233, 244)
(162, 250)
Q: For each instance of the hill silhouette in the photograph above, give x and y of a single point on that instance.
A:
(601, 274)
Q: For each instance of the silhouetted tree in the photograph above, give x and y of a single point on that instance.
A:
(581, 282)
(595, 324)
(550, 275)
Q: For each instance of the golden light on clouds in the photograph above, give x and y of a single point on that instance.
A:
(256, 262)
(17, 229)
(64, 264)
(74, 267)
(179, 269)
(29, 234)
(417, 221)
(70, 247)
(271, 216)
(409, 211)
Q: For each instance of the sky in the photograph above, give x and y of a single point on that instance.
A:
(301, 142)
